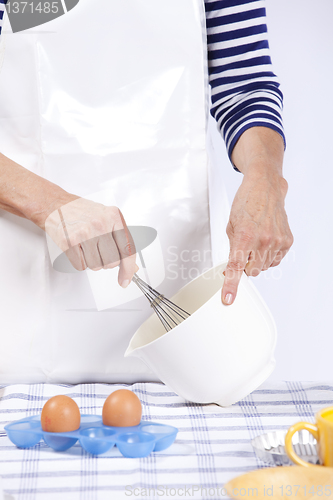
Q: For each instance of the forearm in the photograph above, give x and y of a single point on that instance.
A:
(26, 194)
(260, 151)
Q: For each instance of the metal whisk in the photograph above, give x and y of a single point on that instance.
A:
(169, 313)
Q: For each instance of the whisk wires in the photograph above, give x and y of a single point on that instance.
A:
(168, 313)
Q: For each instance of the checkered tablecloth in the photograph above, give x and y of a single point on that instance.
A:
(212, 446)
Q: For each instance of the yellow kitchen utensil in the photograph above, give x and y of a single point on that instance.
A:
(322, 431)
(283, 482)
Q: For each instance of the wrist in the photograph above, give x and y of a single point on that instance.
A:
(259, 150)
(262, 166)
(53, 198)
(268, 176)
(28, 195)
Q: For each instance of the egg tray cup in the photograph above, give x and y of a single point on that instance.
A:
(94, 437)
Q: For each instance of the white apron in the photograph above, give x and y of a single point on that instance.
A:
(110, 103)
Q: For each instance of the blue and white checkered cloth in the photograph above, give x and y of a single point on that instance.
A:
(212, 446)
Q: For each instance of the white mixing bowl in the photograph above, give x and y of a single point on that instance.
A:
(220, 354)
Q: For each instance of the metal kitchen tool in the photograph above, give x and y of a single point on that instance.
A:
(270, 447)
(168, 313)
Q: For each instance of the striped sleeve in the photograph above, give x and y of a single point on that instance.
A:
(2, 8)
(245, 91)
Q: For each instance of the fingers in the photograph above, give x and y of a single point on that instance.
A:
(252, 250)
(279, 255)
(91, 254)
(239, 254)
(76, 258)
(111, 250)
(94, 236)
(242, 258)
(108, 251)
(101, 252)
(127, 251)
(256, 262)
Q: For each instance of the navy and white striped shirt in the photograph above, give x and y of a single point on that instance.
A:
(2, 8)
(245, 91)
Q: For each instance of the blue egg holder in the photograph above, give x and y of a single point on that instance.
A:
(94, 437)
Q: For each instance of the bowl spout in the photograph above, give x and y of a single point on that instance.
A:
(130, 352)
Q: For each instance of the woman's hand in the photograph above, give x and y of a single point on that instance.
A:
(258, 227)
(93, 236)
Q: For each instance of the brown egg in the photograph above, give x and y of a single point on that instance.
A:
(122, 409)
(60, 414)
